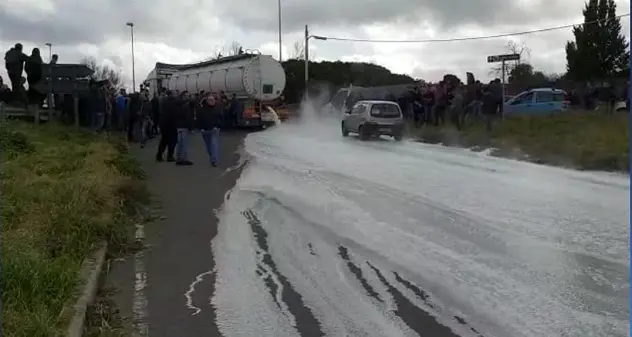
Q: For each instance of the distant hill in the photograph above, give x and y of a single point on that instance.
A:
(336, 75)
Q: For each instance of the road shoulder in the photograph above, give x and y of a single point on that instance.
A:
(165, 289)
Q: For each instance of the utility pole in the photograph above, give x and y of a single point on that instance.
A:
(502, 111)
(503, 59)
(280, 42)
(306, 55)
(131, 26)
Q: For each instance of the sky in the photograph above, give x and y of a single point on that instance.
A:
(187, 31)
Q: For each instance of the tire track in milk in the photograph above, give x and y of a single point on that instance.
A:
(303, 318)
(269, 277)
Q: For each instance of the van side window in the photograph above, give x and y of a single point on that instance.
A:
(524, 98)
(544, 97)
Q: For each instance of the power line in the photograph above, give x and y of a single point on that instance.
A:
(486, 37)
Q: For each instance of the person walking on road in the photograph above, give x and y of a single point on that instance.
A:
(209, 118)
(145, 119)
(168, 131)
(184, 124)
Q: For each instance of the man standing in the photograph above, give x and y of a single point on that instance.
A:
(133, 116)
(14, 61)
(457, 107)
(490, 107)
(155, 115)
(184, 124)
(168, 131)
(209, 117)
(119, 109)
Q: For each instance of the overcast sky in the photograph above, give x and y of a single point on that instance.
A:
(191, 30)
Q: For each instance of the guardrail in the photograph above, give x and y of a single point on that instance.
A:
(33, 111)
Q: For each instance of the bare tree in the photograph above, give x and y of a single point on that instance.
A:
(103, 72)
(217, 53)
(511, 48)
(298, 50)
(234, 48)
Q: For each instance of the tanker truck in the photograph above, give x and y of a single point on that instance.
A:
(256, 80)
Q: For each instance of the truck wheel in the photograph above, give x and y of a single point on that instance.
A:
(398, 137)
(345, 132)
(363, 134)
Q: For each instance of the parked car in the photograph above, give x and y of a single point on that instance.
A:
(540, 101)
(374, 118)
(621, 106)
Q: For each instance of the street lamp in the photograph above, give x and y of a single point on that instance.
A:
(50, 51)
(131, 26)
(280, 45)
(306, 54)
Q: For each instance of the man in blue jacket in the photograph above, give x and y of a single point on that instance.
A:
(209, 118)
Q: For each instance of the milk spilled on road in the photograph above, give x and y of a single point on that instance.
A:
(274, 116)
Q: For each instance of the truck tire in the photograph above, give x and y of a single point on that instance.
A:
(398, 137)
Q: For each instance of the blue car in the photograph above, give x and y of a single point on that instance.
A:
(540, 101)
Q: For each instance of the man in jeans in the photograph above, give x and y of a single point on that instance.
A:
(168, 131)
(209, 118)
(184, 124)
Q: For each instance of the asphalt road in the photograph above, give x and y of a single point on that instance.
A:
(331, 236)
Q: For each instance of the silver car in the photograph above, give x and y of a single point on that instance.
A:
(374, 118)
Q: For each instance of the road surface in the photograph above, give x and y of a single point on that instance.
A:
(325, 236)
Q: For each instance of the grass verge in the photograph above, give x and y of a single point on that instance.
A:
(63, 192)
(581, 140)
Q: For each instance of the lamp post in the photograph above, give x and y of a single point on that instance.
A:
(50, 51)
(306, 54)
(280, 45)
(131, 26)
(50, 98)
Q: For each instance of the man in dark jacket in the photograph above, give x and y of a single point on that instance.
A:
(133, 116)
(155, 115)
(168, 131)
(14, 60)
(209, 118)
(490, 107)
(184, 119)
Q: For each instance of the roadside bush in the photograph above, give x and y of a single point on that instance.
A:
(582, 140)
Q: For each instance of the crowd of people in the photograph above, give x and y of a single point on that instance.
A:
(172, 115)
(449, 101)
(16, 63)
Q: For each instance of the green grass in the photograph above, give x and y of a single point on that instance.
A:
(63, 191)
(581, 140)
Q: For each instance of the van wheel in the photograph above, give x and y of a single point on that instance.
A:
(345, 132)
(363, 135)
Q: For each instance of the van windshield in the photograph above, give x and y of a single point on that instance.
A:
(385, 111)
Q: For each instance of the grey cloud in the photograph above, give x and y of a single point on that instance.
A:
(77, 21)
(448, 14)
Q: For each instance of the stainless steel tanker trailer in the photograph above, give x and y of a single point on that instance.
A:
(256, 80)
